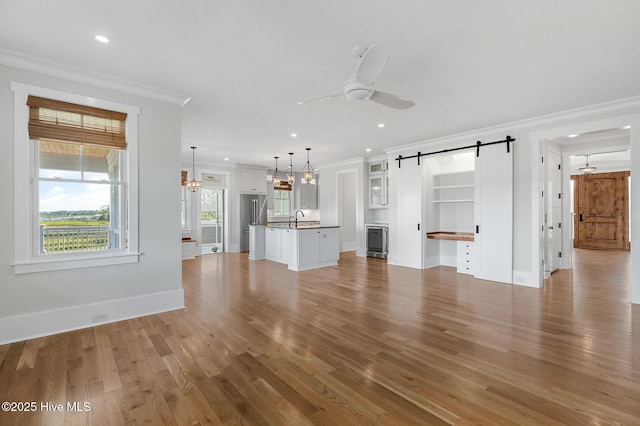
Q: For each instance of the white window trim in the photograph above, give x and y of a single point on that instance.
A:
(23, 172)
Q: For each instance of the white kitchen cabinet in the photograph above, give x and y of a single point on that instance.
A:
(308, 247)
(253, 181)
(256, 242)
(272, 244)
(465, 257)
(378, 191)
(299, 249)
(277, 244)
(329, 245)
(286, 236)
(378, 166)
(314, 248)
(305, 194)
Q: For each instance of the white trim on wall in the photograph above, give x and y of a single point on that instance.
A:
(537, 139)
(44, 323)
(24, 260)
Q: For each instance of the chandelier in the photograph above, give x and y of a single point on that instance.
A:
(194, 185)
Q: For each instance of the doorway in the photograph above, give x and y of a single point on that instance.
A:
(609, 151)
(212, 214)
(347, 211)
(552, 208)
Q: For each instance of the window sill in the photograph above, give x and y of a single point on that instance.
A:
(45, 265)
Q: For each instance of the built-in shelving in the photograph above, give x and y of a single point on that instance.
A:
(455, 187)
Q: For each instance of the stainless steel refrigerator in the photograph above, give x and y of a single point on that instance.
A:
(253, 211)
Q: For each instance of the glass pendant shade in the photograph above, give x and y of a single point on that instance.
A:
(276, 175)
(307, 170)
(586, 170)
(194, 185)
(291, 173)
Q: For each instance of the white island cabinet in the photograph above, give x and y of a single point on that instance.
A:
(299, 248)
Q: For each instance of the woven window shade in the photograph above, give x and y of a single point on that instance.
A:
(183, 176)
(66, 122)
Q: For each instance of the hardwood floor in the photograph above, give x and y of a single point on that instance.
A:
(361, 343)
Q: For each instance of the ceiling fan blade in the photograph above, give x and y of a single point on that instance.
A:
(371, 65)
(319, 98)
(392, 101)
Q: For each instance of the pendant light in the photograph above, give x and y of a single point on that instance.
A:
(307, 169)
(587, 170)
(194, 184)
(276, 175)
(291, 173)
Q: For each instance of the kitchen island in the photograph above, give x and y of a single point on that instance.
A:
(300, 247)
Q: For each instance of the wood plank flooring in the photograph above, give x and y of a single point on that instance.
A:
(360, 343)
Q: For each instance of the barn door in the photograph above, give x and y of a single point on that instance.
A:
(602, 211)
(494, 214)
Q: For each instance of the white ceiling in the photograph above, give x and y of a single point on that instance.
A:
(467, 64)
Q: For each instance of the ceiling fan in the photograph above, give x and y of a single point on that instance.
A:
(360, 85)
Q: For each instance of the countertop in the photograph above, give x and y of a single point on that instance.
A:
(456, 236)
(292, 226)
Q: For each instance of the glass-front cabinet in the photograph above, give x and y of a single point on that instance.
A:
(378, 166)
(378, 191)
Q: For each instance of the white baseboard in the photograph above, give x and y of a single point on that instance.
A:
(525, 279)
(349, 246)
(448, 260)
(431, 262)
(361, 252)
(45, 323)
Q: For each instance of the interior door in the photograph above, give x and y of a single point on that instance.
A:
(553, 210)
(493, 211)
(602, 211)
(409, 234)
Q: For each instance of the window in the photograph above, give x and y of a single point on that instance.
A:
(79, 202)
(75, 180)
(281, 201)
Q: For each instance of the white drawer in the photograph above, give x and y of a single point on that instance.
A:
(464, 259)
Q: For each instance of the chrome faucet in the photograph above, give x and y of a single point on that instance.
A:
(301, 212)
(295, 220)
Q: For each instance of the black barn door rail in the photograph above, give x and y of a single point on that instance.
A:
(477, 146)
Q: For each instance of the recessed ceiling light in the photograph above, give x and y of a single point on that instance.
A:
(226, 158)
(102, 39)
(573, 135)
(381, 125)
(626, 127)
(368, 149)
(293, 135)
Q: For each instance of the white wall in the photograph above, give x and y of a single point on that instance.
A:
(44, 303)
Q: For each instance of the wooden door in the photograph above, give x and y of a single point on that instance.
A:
(601, 206)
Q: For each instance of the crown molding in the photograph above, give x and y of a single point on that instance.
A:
(503, 129)
(353, 161)
(80, 75)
